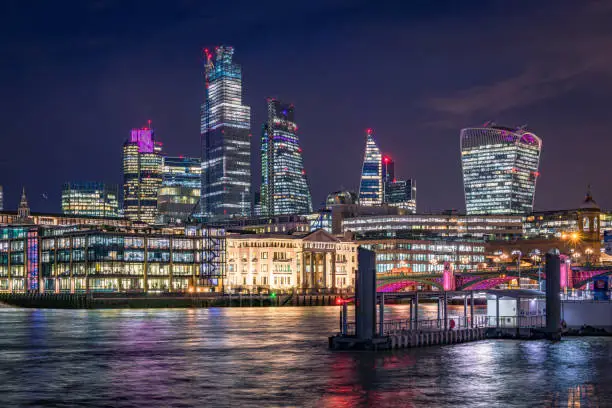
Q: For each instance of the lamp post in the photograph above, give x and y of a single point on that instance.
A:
(518, 265)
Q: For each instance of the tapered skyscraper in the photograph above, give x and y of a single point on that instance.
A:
(371, 186)
(284, 188)
(226, 142)
(500, 169)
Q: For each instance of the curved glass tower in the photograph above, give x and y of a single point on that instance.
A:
(284, 188)
(371, 186)
(226, 141)
(500, 169)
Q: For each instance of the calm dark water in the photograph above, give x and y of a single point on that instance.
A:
(275, 357)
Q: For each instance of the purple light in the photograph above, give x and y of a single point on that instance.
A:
(144, 139)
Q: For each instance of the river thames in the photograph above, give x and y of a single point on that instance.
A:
(276, 357)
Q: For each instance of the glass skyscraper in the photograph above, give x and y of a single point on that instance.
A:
(284, 188)
(500, 169)
(90, 199)
(179, 193)
(226, 141)
(142, 175)
(401, 194)
(371, 186)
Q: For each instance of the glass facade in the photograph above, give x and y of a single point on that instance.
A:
(226, 140)
(142, 175)
(284, 187)
(401, 194)
(90, 199)
(179, 193)
(371, 186)
(71, 260)
(500, 169)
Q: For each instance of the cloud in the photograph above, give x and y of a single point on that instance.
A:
(559, 58)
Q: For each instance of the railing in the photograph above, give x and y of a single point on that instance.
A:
(458, 322)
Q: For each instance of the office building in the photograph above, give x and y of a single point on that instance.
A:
(90, 199)
(401, 194)
(371, 187)
(284, 188)
(226, 140)
(142, 175)
(1, 198)
(500, 169)
(105, 259)
(179, 194)
(427, 226)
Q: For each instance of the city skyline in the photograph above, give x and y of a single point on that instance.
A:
(424, 133)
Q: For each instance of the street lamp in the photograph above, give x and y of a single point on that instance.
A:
(588, 253)
(518, 264)
(433, 262)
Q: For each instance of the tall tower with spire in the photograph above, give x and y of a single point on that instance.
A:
(371, 185)
(23, 212)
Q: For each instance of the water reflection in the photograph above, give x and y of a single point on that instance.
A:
(276, 357)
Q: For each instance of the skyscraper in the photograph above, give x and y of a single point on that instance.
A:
(401, 194)
(371, 186)
(142, 175)
(226, 141)
(284, 188)
(500, 169)
(90, 199)
(179, 193)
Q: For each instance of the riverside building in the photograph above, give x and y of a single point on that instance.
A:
(226, 139)
(314, 262)
(500, 169)
(102, 259)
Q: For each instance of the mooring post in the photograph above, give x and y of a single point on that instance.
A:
(365, 295)
(497, 311)
(553, 300)
(472, 308)
(344, 317)
(410, 318)
(416, 311)
(465, 317)
(381, 315)
(445, 309)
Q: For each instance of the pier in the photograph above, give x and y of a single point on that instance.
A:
(510, 314)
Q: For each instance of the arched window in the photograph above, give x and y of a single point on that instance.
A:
(585, 223)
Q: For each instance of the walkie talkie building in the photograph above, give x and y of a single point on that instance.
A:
(500, 169)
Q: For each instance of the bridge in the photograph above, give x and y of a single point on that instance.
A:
(571, 278)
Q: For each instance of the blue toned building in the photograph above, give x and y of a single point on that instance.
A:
(371, 187)
(284, 187)
(500, 169)
(179, 194)
(226, 140)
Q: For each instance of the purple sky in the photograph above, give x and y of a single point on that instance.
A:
(76, 76)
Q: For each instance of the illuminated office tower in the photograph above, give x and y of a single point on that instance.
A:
(1, 199)
(179, 193)
(284, 188)
(90, 199)
(142, 175)
(371, 186)
(226, 141)
(500, 169)
(401, 194)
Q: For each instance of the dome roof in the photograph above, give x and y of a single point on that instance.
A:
(589, 203)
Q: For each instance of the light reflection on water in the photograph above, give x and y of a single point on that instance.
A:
(277, 357)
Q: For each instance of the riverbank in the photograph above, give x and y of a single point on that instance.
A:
(160, 300)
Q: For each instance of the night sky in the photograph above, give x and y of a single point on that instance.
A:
(76, 76)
